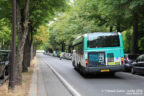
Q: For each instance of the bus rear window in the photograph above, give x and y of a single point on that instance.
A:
(105, 40)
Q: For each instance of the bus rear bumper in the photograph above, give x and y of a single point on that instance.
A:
(103, 69)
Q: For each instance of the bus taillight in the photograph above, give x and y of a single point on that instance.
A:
(86, 62)
(122, 60)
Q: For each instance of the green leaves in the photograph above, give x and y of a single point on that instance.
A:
(86, 16)
(41, 12)
(136, 3)
(5, 33)
(80, 19)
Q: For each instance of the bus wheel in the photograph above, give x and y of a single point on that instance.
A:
(77, 67)
(82, 72)
(112, 74)
(73, 63)
(85, 74)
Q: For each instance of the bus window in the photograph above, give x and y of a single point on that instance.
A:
(79, 48)
(103, 41)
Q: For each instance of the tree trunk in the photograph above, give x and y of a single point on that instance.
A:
(134, 45)
(32, 52)
(26, 56)
(27, 50)
(63, 47)
(111, 28)
(118, 27)
(21, 39)
(69, 49)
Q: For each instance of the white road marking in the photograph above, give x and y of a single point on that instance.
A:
(65, 83)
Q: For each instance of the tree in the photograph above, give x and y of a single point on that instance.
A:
(40, 12)
(86, 16)
(39, 15)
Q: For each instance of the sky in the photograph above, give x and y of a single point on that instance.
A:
(72, 1)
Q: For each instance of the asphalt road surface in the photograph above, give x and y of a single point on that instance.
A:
(122, 84)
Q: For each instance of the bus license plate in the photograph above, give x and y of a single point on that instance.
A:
(105, 70)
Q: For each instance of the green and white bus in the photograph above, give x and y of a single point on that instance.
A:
(98, 52)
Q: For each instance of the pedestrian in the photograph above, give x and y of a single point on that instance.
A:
(60, 55)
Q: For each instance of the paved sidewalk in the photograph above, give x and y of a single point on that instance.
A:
(45, 83)
(34, 85)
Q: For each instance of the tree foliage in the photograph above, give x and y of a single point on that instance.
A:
(5, 34)
(41, 37)
(31, 15)
(86, 16)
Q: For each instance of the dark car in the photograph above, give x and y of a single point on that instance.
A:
(4, 63)
(129, 59)
(138, 65)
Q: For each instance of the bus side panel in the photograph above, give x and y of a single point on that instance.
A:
(121, 45)
(84, 52)
(78, 57)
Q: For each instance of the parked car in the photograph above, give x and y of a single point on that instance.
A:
(63, 55)
(129, 59)
(68, 56)
(44, 52)
(138, 65)
(54, 53)
(4, 63)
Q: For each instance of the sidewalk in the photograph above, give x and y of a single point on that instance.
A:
(45, 83)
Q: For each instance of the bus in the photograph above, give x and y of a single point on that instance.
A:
(99, 52)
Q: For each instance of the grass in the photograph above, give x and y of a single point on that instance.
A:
(22, 90)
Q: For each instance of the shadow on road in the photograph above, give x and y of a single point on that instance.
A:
(99, 76)
(139, 74)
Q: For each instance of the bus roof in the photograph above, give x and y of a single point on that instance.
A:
(77, 40)
(103, 33)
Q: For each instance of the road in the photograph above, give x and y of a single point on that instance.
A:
(122, 84)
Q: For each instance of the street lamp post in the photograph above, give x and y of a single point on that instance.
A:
(13, 47)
